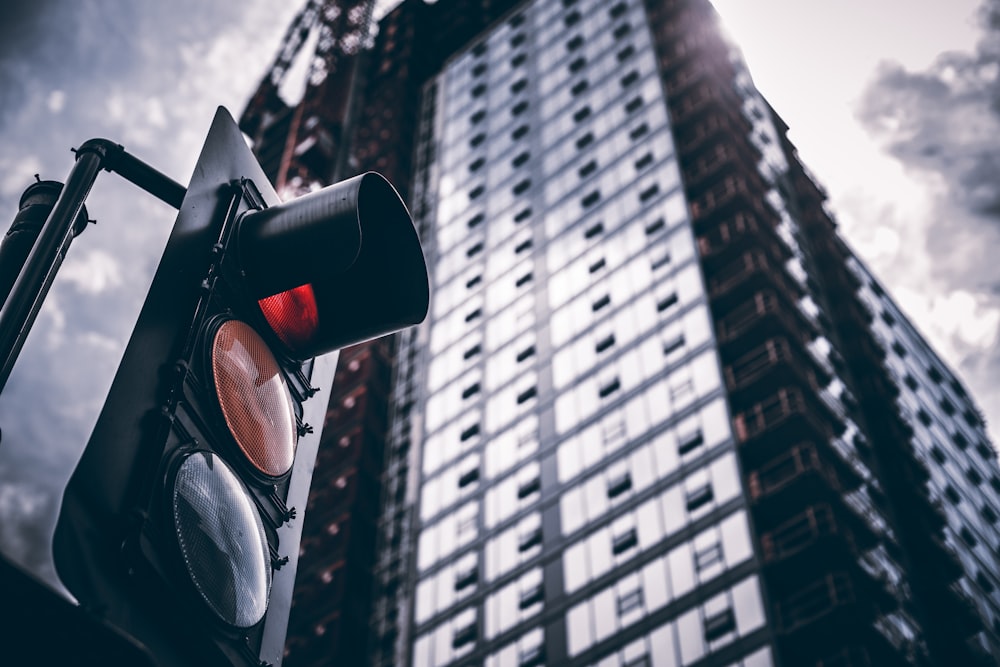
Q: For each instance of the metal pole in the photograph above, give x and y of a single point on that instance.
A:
(32, 285)
(30, 264)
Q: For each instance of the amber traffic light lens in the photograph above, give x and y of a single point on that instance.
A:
(254, 398)
(222, 539)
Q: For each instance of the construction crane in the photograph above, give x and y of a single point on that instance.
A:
(300, 143)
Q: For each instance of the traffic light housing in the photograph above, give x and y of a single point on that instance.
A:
(181, 523)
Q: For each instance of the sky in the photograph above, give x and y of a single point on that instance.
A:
(893, 104)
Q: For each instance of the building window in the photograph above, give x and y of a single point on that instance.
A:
(478, 116)
(517, 40)
(629, 601)
(609, 388)
(629, 78)
(477, 192)
(524, 280)
(587, 169)
(529, 539)
(690, 442)
(581, 114)
(474, 314)
(522, 186)
(626, 53)
(591, 199)
(522, 215)
(595, 229)
(472, 351)
(472, 282)
(575, 43)
(470, 391)
(600, 303)
(519, 108)
(522, 246)
(644, 162)
(638, 131)
(518, 60)
(633, 104)
(605, 343)
(572, 18)
(531, 596)
(469, 432)
(474, 250)
(477, 140)
(526, 353)
(466, 578)
(622, 30)
(622, 543)
(584, 141)
(518, 86)
(475, 220)
(478, 90)
(619, 484)
(719, 625)
(528, 488)
(527, 395)
(464, 635)
(617, 10)
(952, 494)
(520, 159)
(578, 64)
(698, 498)
(655, 226)
(519, 132)
(477, 165)
(579, 87)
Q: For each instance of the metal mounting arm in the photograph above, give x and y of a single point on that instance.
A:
(29, 265)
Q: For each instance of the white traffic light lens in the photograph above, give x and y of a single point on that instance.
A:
(222, 539)
(254, 398)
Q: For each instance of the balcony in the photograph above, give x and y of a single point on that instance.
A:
(800, 476)
(763, 315)
(720, 126)
(754, 270)
(699, 42)
(865, 648)
(720, 243)
(821, 533)
(700, 101)
(788, 415)
(821, 599)
(724, 199)
(708, 166)
(836, 610)
(775, 363)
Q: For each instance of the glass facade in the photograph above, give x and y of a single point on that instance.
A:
(578, 474)
(660, 414)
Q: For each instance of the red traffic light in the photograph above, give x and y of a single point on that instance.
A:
(180, 520)
(321, 258)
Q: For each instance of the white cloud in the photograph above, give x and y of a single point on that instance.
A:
(57, 101)
(91, 271)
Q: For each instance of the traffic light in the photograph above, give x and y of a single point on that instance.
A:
(181, 523)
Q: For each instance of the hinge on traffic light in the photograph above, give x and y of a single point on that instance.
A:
(251, 654)
(287, 513)
(277, 562)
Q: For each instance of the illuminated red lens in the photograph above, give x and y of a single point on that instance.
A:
(293, 315)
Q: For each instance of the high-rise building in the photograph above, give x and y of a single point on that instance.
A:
(660, 413)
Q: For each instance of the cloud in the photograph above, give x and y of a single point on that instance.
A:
(943, 125)
(149, 76)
